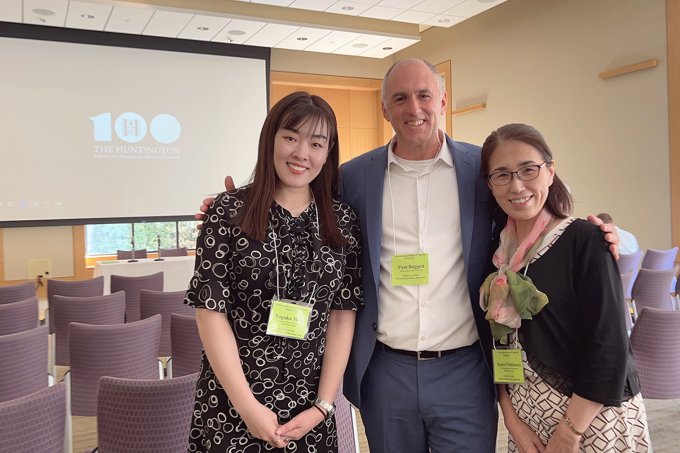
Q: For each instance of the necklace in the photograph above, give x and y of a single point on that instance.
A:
(295, 211)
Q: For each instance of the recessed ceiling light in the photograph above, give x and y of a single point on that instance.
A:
(236, 32)
(302, 38)
(44, 12)
(360, 45)
(487, 1)
(87, 16)
(444, 21)
(386, 48)
(347, 8)
(202, 28)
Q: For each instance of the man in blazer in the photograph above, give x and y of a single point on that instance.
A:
(417, 369)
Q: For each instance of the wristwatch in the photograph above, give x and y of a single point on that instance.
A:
(329, 408)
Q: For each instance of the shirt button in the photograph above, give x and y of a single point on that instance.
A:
(422, 337)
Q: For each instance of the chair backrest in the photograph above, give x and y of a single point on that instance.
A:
(127, 254)
(15, 293)
(652, 289)
(164, 304)
(630, 263)
(145, 416)
(345, 422)
(124, 350)
(627, 284)
(182, 251)
(660, 259)
(132, 287)
(35, 422)
(656, 347)
(186, 347)
(19, 316)
(95, 310)
(75, 288)
(23, 363)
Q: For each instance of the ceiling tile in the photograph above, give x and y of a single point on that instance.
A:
(361, 44)
(387, 48)
(239, 31)
(273, 2)
(87, 16)
(403, 4)
(381, 12)
(313, 5)
(442, 20)
(167, 23)
(436, 6)
(271, 34)
(349, 8)
(45, 12)
(124, 19)
(367, 2)
(414, 17)
(10, 11)
(203, 28)
(471, 7)
(333, 41)
(302, 38)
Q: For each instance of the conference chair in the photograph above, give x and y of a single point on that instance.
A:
(123, 350)
(627, 283)
(23, 363)
(163, 303)
(145, 416)
(72, 288)
(659, 259)
(182, 251)
(132, 287)
(185, 346)
(656, 347)
(15, 293)
(94, 310)
(35, 422)
(19, 316)
(127, 254)
(630, 263)
(346, 424)
(651, 289)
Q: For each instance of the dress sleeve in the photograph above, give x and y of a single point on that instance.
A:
(350, 295)
(209, 287)
(601, 373)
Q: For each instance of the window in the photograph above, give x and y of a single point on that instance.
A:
(105, 239)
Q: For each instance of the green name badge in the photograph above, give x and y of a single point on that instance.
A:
(507, 366)
(411, 269)
(289, 319)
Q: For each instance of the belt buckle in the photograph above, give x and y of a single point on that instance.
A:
(419, 357)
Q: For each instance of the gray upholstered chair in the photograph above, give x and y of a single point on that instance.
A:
(659, 259)
(127, 254)
(186, 347)
(123, 350)
(145, 416)
(346, 423)
(132, 287)
(15, 293)
(34, 422)
(95, 310)
(72, 288)
(23, 363)
(19, 316)
(651, 289)
(181, 251)
(163, 303)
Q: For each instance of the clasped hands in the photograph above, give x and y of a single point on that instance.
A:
(263, 424)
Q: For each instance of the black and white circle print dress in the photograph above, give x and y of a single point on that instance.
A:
(236, 275)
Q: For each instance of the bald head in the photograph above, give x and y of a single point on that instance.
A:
(405, 64)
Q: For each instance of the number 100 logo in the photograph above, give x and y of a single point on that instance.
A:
(132, 128)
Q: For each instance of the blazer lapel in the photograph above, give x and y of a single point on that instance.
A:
(375, 180)
(466, 177)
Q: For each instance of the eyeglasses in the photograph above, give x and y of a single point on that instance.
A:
(526, 173)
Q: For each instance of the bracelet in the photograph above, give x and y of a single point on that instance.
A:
(323, 405)
(320, 410)
(571, 426)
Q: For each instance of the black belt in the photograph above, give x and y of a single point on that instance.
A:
(423, 355)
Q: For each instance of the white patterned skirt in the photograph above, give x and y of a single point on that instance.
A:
(615, 429)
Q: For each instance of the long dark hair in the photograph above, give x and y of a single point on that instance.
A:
(559, 201)
(292, 112)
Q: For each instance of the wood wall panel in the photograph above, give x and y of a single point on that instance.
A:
(79, 267)
(2, 256)
(345, 136)
(363, 140)
(673, 52)
(365, 108)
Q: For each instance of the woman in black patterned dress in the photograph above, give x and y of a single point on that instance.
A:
(277, 284)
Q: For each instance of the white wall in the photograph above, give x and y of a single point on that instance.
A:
(536, 61)
(26, 248)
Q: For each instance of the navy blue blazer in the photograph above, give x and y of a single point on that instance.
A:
(362, 187)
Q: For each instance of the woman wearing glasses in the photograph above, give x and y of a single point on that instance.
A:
(556, 307)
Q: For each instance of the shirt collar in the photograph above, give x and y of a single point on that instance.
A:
(443, 156)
